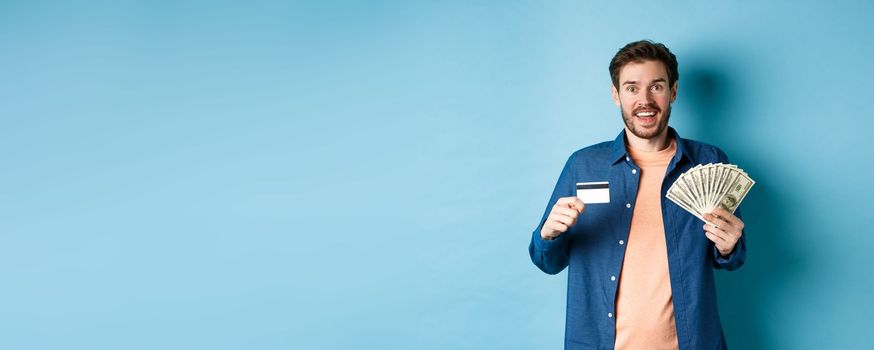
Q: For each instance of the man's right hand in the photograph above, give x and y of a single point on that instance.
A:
(564, 214)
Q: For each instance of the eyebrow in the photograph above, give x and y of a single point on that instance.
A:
(634, 82)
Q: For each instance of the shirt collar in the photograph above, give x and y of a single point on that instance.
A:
(620, 152)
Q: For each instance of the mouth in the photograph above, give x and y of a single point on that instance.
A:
(647, 116)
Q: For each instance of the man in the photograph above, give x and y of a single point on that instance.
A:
(640, 268)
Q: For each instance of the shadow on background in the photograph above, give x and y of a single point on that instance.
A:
(717, 101)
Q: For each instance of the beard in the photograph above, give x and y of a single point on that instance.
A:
(661, 125)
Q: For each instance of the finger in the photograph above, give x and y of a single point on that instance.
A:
(714, 229)
(564, 219)
(571, 202)
(570, 220)
(715, 239)
(565, 201)
(578, 204)
(721, 246)
(557, 226)
(571, 213)
(727, 216)
(729, 228)
(724, 235)
(565, 211)
(717, 220)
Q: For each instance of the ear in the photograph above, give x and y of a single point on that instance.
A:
(615, 94)
(674, 91)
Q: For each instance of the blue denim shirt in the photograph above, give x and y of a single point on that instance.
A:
(593, 249)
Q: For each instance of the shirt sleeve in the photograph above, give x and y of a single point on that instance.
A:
(736, 258)
(551, 256)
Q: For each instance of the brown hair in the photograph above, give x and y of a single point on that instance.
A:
(644, 50)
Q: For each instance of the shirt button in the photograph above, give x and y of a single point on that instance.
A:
(627, 158)
(612, 278)
(621, 242)
(610, 314)
(634, 171)
(628, 205)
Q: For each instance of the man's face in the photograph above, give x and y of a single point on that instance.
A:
(644, 98)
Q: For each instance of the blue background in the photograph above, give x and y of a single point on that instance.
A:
(334, 175)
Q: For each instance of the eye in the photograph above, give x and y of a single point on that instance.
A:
(631, 89)
(657, 87)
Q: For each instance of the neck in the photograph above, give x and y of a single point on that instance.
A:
(657, 143)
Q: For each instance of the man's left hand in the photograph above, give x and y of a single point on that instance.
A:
(728, 230)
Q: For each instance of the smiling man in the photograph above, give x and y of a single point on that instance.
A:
(640, 268)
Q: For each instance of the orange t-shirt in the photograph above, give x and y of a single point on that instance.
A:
(644, 305)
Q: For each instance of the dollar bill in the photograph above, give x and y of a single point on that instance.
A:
(703, 187)
(731, 199)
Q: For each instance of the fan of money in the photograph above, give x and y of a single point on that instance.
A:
(700, 189)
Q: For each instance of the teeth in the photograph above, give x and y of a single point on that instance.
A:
(645, 114)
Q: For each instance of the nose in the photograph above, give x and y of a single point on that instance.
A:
(646, 99)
